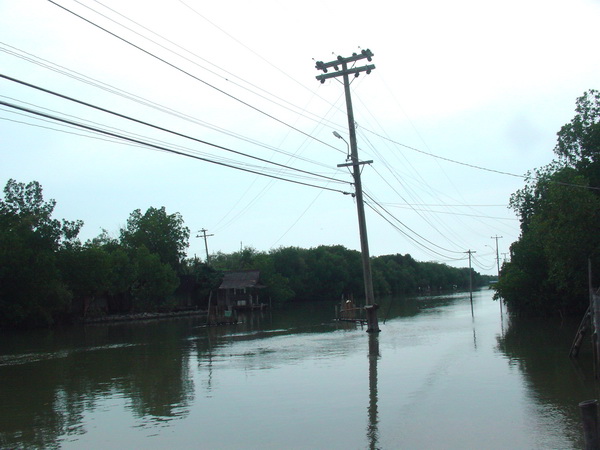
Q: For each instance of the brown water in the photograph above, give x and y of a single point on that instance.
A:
(439, 375)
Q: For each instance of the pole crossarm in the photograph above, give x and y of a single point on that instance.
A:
(354, 70)
(370, 161)
(320, 65)
(341, 61)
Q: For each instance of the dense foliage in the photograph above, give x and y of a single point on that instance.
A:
(559, 210)
(48, 276)
(328, 272)
(31, 289)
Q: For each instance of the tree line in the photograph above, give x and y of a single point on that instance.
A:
(559, 212)
(48, 276)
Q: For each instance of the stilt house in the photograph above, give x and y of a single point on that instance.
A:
(240, 290)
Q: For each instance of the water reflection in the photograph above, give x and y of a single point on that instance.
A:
(296, 371)
(54, 388)
(374, 355)
(539, 348)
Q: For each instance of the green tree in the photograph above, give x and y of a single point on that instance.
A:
(277, 285)
(161, 233)
(31, 290)
(154, 283)
(86, 270)
(559, 216)
(579, 141)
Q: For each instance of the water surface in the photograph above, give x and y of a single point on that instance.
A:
(441, 374)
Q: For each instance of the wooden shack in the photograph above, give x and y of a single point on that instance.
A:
(240, 290)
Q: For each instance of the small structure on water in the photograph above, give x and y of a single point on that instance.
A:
(349, 312)
(240, 290)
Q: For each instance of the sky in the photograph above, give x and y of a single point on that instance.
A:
(466, 97)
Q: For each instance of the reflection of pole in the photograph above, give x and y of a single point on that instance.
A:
(589, 416)
(372, 428)
(371, 307)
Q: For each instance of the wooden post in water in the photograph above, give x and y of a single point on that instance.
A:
(589, 417)
(595, 321)
(470, 252)
(595, 311)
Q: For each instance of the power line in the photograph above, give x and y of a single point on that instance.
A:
(123, 116)
(412, 207)
(204, 59)
(443, 158)
(147, 52)
(410, 237)
(141, 100)
(158, 147)
(408, 228)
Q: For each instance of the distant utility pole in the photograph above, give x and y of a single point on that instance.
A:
(497, 254)
(470, 252)
(370, 307)
(204, 235)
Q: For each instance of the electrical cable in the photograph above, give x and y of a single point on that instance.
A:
(184, 150)
(207, 61)
(408, 228)
(143, 101)
(147, 144)
(410, 237)
(160, 128)
(190, 74)
(412, 207)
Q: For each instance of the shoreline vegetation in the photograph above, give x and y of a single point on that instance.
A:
(49, 277)
(559, 209)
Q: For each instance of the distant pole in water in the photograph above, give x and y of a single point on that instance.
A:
(497, 254)
(470, 252)
(341, 62)
(498, 265)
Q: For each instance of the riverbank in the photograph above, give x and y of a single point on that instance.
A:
(142, 316)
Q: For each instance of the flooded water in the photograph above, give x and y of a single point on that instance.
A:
(441, 374)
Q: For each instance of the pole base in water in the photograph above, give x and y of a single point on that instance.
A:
(372, 323)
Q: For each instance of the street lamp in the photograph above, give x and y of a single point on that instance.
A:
(339, 136)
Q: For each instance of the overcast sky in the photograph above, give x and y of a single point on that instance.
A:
(465, 95)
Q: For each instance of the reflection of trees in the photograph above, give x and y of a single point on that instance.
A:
(540, 348)
(37, 425)
(410, 306)
(45, 398)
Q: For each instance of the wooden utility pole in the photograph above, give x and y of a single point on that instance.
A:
(370, 307)
(497, 254)
(498, 265)
(204, 235)
(470, 252)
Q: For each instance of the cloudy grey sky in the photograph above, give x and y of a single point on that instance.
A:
(465, 95)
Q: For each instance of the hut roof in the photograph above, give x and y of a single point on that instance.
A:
(241, 279)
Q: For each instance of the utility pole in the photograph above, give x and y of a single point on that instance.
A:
(370, 307)
(497, 254)
(204, 235)
(498, 265)
(470, 252)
